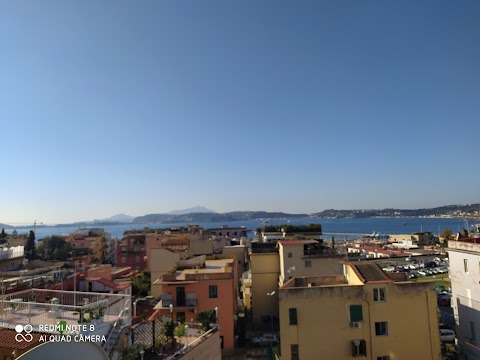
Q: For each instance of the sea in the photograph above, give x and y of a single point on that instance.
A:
(344, 228)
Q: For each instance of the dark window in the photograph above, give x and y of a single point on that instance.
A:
(181, 298)
(383, 357)
(381, 328)
(292, 312)
(181, 316)
(359, 348)
(379, 295)
(221, 342)
(308, 263)
(290, 254)
(212, 291)
(356, 313)
(294, 352)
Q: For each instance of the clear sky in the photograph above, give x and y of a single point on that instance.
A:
(141, 107)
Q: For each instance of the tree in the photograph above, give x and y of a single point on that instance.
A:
(207, 318)
(30, 253)
(54, 248)
(3, 237)
(446, 234)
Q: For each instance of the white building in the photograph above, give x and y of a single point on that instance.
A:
(464, 258)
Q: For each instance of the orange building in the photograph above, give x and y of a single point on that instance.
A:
(199, 285)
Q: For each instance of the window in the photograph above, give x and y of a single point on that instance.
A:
(294, 352)
(381, 328)
(181, 316)
(379, 295)
(124, 259)
(308, 263)
(383, 357)
(292, 312)
(465, 265)
(359, 348)
(356, 313)
(213, 291)
(290, 254)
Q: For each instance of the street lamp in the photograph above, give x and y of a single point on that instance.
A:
(186, 336)
(142, 352)
(271, 316)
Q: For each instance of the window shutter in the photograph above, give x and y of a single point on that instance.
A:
(356, 313)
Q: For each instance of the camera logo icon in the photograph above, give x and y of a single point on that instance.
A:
(20, 336)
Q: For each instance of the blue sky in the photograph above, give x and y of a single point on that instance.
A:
(142, 107)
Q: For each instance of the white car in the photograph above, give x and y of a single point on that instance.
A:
(447, 335)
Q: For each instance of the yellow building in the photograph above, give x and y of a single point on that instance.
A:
(265, 269)
(363, 313)
(305, 258)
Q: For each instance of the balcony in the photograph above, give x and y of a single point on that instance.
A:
(190, 301)
(43, 308)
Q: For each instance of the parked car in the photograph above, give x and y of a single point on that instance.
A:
(447, 335)
(265, 339)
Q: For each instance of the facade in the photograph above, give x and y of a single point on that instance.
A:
(418, 238)
(200, 285)
(264, 270)
(130, 251)
(304, 258)
(11, 258)
(160, 262)
(96, 240)
(464, 259)
(361, 313)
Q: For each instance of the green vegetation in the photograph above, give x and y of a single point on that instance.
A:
(180, 330)
(207, 318)
(3, 237)
(133, 352)
(291, 229)
(446, 234)
(30, 251)
(54, 248)
(168, 330)
(141, 285)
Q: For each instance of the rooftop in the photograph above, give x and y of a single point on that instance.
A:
(218, 269)
(370, 272)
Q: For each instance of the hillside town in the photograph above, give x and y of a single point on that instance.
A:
(213, 293)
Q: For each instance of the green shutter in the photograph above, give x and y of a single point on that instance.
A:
(356, 313)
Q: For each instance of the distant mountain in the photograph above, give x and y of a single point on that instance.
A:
(122, 218)
(195, 209)
(5, 226)
(449, 210)
(213, 217)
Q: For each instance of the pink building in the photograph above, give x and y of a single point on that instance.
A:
(197, 287)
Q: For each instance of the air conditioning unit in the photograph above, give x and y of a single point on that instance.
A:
(356, 324)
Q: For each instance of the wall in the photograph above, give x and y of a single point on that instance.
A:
(295, 266)
(225, 302)
(161, 261)
(265, 268)
(323, 318)
(208, 349)
(466, 294)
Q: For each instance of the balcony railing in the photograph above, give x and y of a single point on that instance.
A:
(35, 307)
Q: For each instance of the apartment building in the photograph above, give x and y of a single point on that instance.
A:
(464, 259)
(197, 285)
(96, 240)
(362, 313)
(130, 251)
(306, 257)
